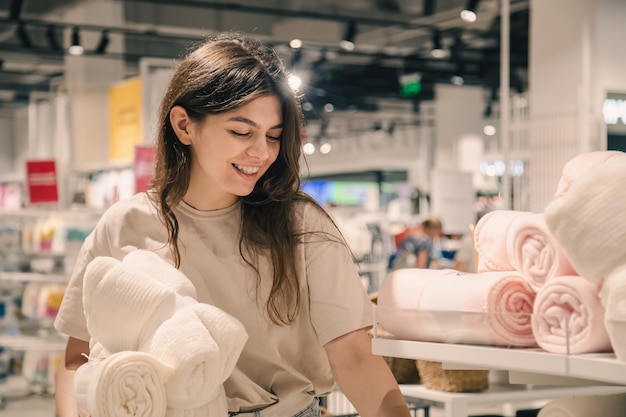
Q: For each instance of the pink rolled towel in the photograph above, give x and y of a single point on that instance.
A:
(535, 252)
(490, 239)
(491, 308)
(568, 311)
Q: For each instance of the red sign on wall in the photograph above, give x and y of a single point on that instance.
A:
(41, 179)
(145, 157)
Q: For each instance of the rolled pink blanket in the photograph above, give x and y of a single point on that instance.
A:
(490, 239)
(491, 308)
(535, 252)
(579, 165)
(568, 311)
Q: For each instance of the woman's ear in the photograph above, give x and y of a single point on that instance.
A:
(181, 123)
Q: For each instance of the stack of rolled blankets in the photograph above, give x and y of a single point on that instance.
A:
(155, 351)
(555, 279)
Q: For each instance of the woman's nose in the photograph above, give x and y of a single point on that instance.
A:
(259, 148)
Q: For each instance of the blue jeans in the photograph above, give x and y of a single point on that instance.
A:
(312, 410)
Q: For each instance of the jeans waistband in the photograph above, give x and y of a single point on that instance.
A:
(283, 408)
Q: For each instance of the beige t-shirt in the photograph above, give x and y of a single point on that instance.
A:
(277, 361)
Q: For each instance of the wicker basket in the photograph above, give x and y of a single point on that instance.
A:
(404, 370)
(433, 376)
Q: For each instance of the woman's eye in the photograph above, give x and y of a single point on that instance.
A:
(271, 137)
(239, 134)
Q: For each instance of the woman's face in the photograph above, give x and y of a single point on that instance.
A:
(230, 151)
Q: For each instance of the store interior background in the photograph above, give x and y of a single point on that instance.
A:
(408, 139)
(397, 154)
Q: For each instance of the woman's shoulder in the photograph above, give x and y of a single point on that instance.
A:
(135, 211)
(311, 217)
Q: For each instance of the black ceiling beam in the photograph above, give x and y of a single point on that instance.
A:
(282, 12)
(15, 9)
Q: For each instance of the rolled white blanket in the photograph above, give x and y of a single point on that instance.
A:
(201, 343)
(587, 406)
(448, 306)
(124, 384)
(589, 220)
(568, 317)
(145, 304)
(122, 303)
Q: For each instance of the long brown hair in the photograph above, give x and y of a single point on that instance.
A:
(222, 74)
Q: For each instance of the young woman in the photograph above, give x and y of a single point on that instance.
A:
(227, 210)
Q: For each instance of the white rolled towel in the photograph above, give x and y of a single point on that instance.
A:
(124, 384)
(589, 220)
(122, 303)
(201, 343)
(586, 406)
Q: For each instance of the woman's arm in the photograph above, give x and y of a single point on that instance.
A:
(422, 258)
(365, 378)
(64, 392)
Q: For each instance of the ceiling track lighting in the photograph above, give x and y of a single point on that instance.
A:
(437, 50)
(23, 35)
(347, 42)
(15, 9)
(51, 36)
(75, 47)
(468, 14)
(103, 43)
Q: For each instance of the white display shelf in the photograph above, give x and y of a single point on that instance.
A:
(598, 367)
(33, 277)
(24, 343)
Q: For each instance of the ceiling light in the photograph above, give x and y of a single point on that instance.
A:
(347, 42)
(457, 80)
(103, 44)
(295, 43)
(437, 50)
(489, 130)
(468, 14)
(325, 148)
(308, 148)
(294, 82)
(76, 48)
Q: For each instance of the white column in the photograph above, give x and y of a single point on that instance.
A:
(575, 59)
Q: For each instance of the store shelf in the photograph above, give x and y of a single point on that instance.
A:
(32, 277)
(602, 368)
(24, 343)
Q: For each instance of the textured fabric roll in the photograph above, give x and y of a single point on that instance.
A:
(122, 303)
(534, 252)
(201, 343)
(490, 239)
(589, 221)
(588, 406)
(125, 384)
(448, 306)
(569, 318)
